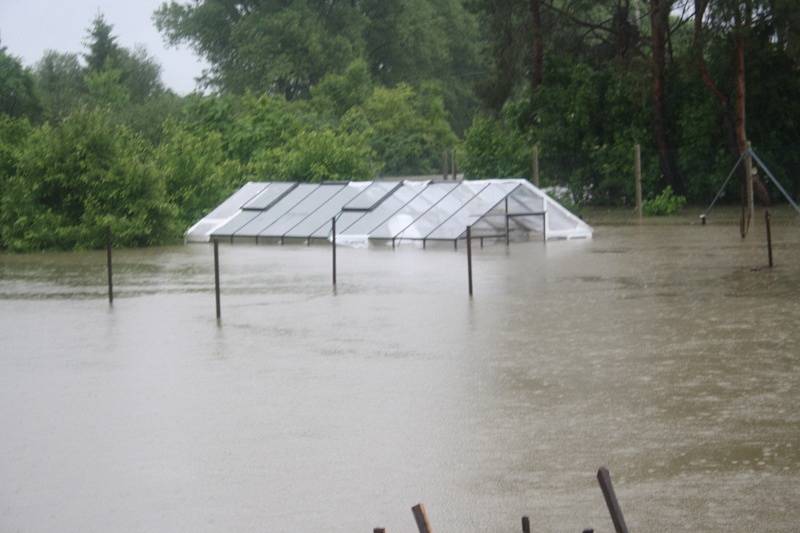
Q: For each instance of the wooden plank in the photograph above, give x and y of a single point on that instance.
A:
(421, 517)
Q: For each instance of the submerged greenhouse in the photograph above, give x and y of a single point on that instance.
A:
(391, 212)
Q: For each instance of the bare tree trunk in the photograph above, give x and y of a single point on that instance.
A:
(659, 18)
(537, 46)
(724, 102)
(741, 135)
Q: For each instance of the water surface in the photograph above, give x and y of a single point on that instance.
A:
(656, 350)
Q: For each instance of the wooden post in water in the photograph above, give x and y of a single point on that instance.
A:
(453, 165)
(108, 268)
(526, 525)
(379, 530)
(747, 201)
(469, 258)
(535, 164)
(637, 166)
(604, 478)
(216, 278)
(421, 518)
(333, 248)
(769, 236)
(444, 165)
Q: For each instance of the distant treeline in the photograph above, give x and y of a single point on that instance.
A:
(315, 90)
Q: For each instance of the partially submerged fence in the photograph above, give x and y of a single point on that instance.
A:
(603, 478)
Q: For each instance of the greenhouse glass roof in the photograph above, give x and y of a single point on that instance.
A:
(387, 211)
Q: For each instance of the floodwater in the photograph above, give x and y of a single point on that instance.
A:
(653, 349)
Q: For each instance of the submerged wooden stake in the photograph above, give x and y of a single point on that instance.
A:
(604, 478)
(421, 518)
(526, 525)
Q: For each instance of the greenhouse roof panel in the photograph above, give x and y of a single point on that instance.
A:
(388, 210)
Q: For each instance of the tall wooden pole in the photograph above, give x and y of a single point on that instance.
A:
(216, 278)
(637, 164)
(108, 268)
(535, 164)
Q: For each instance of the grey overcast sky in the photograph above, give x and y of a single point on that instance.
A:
(29, 27)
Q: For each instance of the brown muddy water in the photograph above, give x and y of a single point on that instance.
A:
(652, 349)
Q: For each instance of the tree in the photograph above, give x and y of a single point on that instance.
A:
(283, 48)
(659, 28)
(408, 128)
(17, 95)
(75, 180)
(102, 45)
(316, 155)
(60, 84)
(196, 173)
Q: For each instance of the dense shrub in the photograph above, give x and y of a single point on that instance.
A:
(79, 178)
(666, 203)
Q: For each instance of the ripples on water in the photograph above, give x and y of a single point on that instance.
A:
(655, 350)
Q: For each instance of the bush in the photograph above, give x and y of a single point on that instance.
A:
(317, 155)
(75, 180)
(666, 203)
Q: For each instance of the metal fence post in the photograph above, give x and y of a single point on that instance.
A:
(108, 268)
(508, 238)
(469, 258)
(216, 278)
(604, 478)
(769, 236)
(333, 248)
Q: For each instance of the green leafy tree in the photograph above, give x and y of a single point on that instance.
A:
(283, 48)
(318, 155)
(60, 84)
(338, 93)
(196, 173)
(409, 128)
(17, 94)
(101, 44)
(495, 149)
(79, 178)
